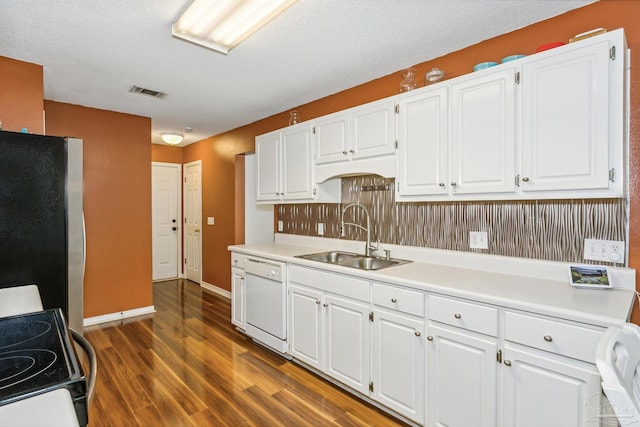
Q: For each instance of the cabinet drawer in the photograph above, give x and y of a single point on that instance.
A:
(567, 339)
(338, 284)
(473, 317)
(237, 260)
(405, 300)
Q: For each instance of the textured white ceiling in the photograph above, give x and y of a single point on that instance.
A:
(93, 51)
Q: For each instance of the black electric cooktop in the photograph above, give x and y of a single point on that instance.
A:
(37, 356)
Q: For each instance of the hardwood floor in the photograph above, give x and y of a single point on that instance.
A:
(187, 365)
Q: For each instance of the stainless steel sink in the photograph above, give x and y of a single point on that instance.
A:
(350, 259)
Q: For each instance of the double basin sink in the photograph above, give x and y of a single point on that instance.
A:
(349, 259)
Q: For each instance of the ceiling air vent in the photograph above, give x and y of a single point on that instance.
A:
(143, 91)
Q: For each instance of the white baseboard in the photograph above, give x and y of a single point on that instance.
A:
(118, 315)
(216, 290)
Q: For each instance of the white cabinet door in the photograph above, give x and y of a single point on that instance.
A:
(462, 379)
(268, 167)
(483, 133)
(423, 143)
(331, 135)
(305, 325)
(551, 391)
(399, 364)
(237, 298)
(565, 120)
(347, 345)
(297, 162)
(372, 131)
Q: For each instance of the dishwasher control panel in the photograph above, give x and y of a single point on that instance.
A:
(268, 269)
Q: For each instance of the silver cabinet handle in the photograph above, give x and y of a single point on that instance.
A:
(453, 184)
(317, 301)
(507, 362)
(325, 305)
(394, 300)
(352, 151)
(525, 179)
(548, 338)
(457, 315)
(429, 338)
(441, 184)
(418, 333)
(344, 152)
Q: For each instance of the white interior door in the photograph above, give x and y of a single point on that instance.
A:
(193, 221)
(165, 182)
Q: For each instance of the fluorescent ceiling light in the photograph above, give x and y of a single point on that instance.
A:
(172, 138)
(222, 24)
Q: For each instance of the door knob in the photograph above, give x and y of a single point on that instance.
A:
(173, 220)
(174, 228)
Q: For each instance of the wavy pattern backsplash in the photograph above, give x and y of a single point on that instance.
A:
(544, 229)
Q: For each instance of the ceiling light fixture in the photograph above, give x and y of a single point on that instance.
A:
(171, 138)
(221, 25)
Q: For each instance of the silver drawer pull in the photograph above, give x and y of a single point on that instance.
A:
(418, 333)
(394, 300)
(457, 315)
(317, 301)
(429, 338)
(548, 338)
(507, 362)
(325, 305)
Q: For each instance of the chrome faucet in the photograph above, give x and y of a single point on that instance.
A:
(368, 247)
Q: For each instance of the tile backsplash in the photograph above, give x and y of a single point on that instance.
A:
(551, 230)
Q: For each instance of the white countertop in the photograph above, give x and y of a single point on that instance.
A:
(531, 285)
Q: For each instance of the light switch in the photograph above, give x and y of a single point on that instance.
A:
(210, 220)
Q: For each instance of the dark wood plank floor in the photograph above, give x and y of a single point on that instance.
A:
(187, 365)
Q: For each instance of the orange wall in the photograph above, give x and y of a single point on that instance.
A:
(21, 96)
(610, 14)
(166, 153)
(117, 204)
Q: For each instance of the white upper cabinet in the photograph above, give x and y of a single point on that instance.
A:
(360, 140)
(550, 125)
(483, 133)
(372, 131)
(569, 117)
(423, 143)
(285, 168)
(268, 167)
(284, 165)
(332, 138)
(297, 162)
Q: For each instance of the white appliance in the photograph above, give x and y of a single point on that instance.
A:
(266, 300)
(258, 219)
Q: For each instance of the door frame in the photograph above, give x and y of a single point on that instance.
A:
(178, 166)
(184, 215)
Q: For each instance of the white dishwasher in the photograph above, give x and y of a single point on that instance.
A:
(266, 302)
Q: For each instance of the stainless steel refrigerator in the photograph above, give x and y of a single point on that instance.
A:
(42, 237)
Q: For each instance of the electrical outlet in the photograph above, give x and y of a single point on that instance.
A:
(211, 220)
(320, 229)
(280, 226)
(604, 250)
(478, 240)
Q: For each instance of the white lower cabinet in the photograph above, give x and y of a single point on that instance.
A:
(462, 386)
(330, 333)
(442, 361)
(547, 390)
(398, 377)
(237, 291)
